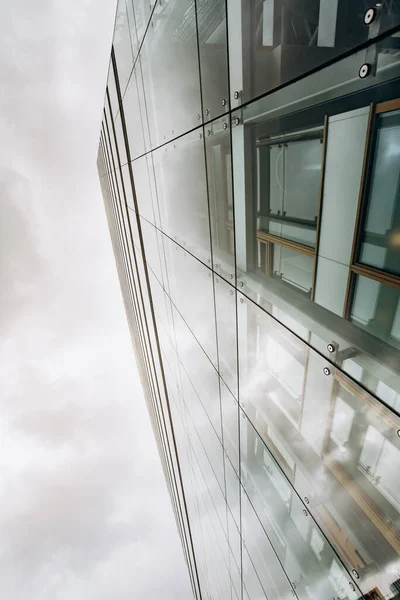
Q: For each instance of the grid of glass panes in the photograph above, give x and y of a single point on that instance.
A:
(283, 391)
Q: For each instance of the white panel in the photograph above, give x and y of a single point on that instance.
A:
(330, 290)
(268, 22)
(235, 37)
(344, 158)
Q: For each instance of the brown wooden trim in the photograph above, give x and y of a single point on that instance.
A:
(320, 202)
(348, 295)
(383, 107)
(262, 236)
(377, 275)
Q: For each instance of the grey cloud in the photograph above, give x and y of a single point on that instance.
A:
(84, 511)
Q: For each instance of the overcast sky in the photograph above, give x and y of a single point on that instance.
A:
(84, 511)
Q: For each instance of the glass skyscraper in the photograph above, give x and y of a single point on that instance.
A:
(249, 159)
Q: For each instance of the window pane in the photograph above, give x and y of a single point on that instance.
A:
(381, 236)
(376, 309)
(293, 267)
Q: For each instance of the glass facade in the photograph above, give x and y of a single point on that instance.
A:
(249, 160)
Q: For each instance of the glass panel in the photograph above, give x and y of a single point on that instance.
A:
(292, 267)
(375, 308)
(225, 306)
(331, 441)
(171, 71)
(302, 550)
(230, 425)
(135, 114)
(112, 90)
(211, 23)
(219, 179)
(151, 247)
(182, 194)
(289, 186)
(275, 263)
(143, 176)
(274, 41)
(381, 235)
(142, 10)
(123, 45)
(120, 140)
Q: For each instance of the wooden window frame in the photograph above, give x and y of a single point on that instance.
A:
(356, 268)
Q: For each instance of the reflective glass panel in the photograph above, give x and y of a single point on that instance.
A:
(135, 114)
(225, 307)
(219, 179)
(273, 42)
(182, 193)
(211, 23)
(381, 235)
(171, 70)
(325, 434)
(123, 45)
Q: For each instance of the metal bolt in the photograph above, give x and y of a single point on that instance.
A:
(208, 131)
(241, 283)
(398, 432)
(305, 513)
(241, 300)
(355, 574)
(225, 126)
(231, 276)
(236, 95)
(364, 71)
(331, 348)
(369, 16)
(231, 292)
(306, 500)
(198, 117)
(200, 136)
(207, 111)
(352, 586)
(236, 121)
(223, 102)
(327, 371)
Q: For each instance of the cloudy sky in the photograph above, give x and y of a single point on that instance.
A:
(84, 512)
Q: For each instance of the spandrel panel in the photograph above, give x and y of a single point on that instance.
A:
(211, 23)
(225, 307)
(171, 71)
(151, 246)
(274, 41)
(191, 291)
(321, 428)
(219, 180)
(182, 193)
(120, 140)
(123, 45)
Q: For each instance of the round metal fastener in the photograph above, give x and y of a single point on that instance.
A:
(208, 131)
(305, 513)
(327, 371)
(355, 574)
(369, 16)
(200, 136)
(231, 276)
(225, 126)
(241, 300)
(398, 432)
(364, 71)
(352, 586)
(241, 283)
(207, 111)
(231, 292)
(236, 95)
(198, 117)
(236, 120)
(306, 500)
(331, 348)
(223, 102)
